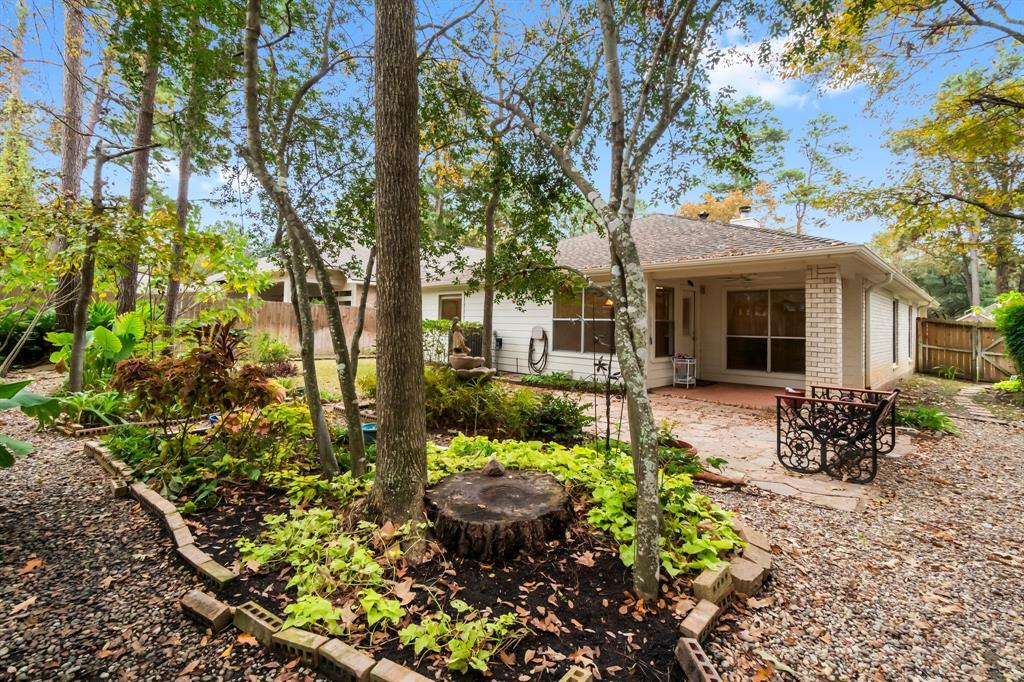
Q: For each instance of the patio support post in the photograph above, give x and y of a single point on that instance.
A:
(824, 333)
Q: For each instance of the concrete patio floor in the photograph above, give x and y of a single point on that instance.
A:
(745, 438)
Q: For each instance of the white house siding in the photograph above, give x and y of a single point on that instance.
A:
(883, 371)
(514, 326)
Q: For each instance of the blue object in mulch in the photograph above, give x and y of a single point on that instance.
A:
(370, 433)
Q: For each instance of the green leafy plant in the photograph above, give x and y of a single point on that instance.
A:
(568, 382)
(1009, 319)
(1012, 385)
(265, 349)
(946, 371)
(468, 642)
(925, 418)
(100, 314)
(15, 322)
(104, 348)
(94, 408)
(43, 408)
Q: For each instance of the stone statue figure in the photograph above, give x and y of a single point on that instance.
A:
(459, 346)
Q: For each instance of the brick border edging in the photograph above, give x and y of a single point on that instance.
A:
(715, 591)
(340, 661)
(329, 656)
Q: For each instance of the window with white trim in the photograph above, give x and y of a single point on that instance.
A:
(583, 322)
(765, 330)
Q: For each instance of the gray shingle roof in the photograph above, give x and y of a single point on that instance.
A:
(664, 238)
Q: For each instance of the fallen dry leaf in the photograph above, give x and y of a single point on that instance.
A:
(30, 565)
(23, 605)
(247, 639)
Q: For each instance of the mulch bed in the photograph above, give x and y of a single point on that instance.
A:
(575, 598)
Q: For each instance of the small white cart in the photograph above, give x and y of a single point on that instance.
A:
(684, 372)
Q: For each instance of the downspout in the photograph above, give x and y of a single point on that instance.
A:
(867, 326)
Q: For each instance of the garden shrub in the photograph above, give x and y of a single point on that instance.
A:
(276, 370)
(568, 382)
(1012, 385)
(1009, 318)
(95, 408)
(925, 418)
(265, 349)
(104, 348)
(14, 323)
(489, 407)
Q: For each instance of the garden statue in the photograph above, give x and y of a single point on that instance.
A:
(466, 366)
(458, 343)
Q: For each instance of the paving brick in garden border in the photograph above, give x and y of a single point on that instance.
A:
(699, 622)
(206, 610)
(344, 663)
(257, 621)
(713, 585)
(387, 670)
(294, 642)
(695, 663)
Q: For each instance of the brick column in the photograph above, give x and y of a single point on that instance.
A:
(824, 297)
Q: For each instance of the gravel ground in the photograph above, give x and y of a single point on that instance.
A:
(927, 584)
(89, 586)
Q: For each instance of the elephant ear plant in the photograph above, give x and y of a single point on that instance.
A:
(43, 408)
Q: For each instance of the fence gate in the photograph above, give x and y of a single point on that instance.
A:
(977, 351)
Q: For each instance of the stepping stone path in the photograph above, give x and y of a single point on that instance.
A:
(965, 399)
(90, 585)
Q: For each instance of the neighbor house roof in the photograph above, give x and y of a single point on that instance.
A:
(663, 238)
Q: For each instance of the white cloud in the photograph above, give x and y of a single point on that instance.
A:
(741, 70)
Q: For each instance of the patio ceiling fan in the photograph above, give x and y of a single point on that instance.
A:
(751, 278)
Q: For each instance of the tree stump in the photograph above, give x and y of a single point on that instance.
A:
(494, 514)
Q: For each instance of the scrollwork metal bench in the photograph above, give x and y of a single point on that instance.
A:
(836, 430)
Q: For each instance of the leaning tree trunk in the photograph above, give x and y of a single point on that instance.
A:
(127, 281)
(401, 445)
(277, 189)
(71, 150)
(87, 276)
(300, 301)
(364, 294)
(343, 363)
(490, 215)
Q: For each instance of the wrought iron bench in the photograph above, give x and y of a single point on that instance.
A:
(836, 430)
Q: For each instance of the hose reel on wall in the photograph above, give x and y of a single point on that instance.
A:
(538, 338)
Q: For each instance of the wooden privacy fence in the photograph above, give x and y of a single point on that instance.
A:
(976, 350)
(278, 320)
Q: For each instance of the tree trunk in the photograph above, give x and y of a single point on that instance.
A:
(278, 192)
(181, 207)
(127, 281)
(72, 151)
(401, 444)
(490, 214)
(87, 276)
(304, 316)
(629, 293)
(364, 294)
(343, 361)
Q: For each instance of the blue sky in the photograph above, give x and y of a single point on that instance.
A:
(796, 102)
